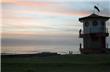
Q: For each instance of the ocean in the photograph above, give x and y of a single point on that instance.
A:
(36, 44)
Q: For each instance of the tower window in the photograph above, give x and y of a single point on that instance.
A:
(95, 23)
(86, 24)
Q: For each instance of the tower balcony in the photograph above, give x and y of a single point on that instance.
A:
(92, 34)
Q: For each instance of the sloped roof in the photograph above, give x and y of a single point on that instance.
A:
(92, 16)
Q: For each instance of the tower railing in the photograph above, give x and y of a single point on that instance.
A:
(105, 32)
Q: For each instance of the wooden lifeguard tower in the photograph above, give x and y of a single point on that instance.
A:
(94, 34)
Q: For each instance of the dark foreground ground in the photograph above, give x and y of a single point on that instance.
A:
(65, 63)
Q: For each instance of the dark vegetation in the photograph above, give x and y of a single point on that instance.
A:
(56, 63)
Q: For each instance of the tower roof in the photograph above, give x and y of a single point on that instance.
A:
(93, 16)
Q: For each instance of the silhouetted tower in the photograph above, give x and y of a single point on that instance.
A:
(94, 34)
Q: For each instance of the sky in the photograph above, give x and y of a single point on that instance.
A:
(45, 22)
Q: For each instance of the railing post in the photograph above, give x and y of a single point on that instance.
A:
(80, 32)
(80, 45)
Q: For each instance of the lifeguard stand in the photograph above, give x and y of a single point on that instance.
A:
(94, 34)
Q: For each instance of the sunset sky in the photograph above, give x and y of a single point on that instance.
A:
(42, 21)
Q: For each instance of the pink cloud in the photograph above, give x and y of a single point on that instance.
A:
(31, 3)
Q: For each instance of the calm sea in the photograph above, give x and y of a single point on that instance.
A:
(22, 45)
